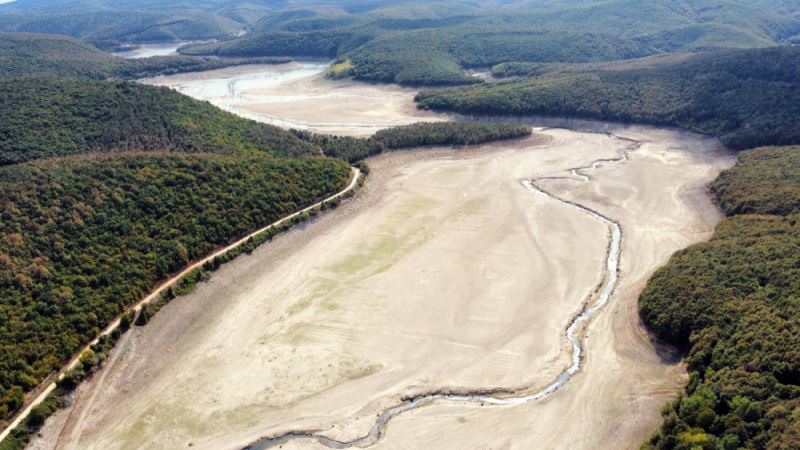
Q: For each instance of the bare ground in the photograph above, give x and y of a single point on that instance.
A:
(298, 95)
(445, 274)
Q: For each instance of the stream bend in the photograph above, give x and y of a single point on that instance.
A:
(601, 294)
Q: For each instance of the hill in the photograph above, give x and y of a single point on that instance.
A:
(107, 25)
(108, 187)
(406, 43)
(766, 181)
(746, 97)
(427, 57)
(96, 116)
(733, 303)
(24, 54)
(85, 236)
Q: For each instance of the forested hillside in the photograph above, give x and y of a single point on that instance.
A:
(766, 181)
(733, 302)
(746, 97)
(427, 57)
(151, 179)
(43, 117)
(26, 54)
(107, 24)
(407, 44)
(84, 237)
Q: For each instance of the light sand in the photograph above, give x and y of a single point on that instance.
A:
(298, 95)
(446, 274)
(149, 50)
(660, 200)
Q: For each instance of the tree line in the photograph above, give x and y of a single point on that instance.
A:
(82, 116)
(733, 303)
(84, 237)
(748, 98)
(419, 134)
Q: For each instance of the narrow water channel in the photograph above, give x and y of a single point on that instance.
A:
(601, 297)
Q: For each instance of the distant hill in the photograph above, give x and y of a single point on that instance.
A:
(405, 43)
(746, 97)
(24, 54)
(45, 117)
(107, 24)
(427, 57)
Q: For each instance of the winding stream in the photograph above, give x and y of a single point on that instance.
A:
(602, 295)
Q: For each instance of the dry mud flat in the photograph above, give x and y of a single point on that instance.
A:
(298, 95)
(445, 274)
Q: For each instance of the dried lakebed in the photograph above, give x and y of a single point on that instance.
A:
(498, 396)
(298, 95)
(446, 276)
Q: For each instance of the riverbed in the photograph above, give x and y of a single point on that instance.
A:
(452, 272)
(298, 95)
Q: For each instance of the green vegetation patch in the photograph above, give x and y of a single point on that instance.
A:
(84, 237)
(44, 117)
(415, 135)
(766, 181)
(746, 97)
(734, 304)
(341, 69)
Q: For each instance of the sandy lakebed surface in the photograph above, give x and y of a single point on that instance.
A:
(444, 273)
(298, 95)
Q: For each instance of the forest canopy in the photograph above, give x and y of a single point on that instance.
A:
(415, 135)
(766, 181)
(85, 236)
(746, 97)
(733, 303)
(96, 116)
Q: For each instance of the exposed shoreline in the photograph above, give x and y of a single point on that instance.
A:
(328, 359)
(501, 396)
(49, 386)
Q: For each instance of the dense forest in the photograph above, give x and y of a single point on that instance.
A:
(733, 303)
(404, 43)
(427, 57)
(746, 97)
(85, 236)
(27, 54)
(101, 116)
(766, 181)
(415, 135)
(439, 57)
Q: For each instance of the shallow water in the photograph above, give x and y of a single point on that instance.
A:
(148, 50)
